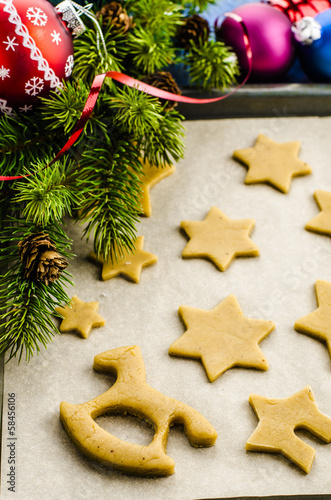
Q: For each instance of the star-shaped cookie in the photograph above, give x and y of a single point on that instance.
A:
(219, 239)
(272, 162)
(322, 222)
(222, 338)
(279, 418)
(129, 265)
(318, 323)
(80, 316)
(149, 176)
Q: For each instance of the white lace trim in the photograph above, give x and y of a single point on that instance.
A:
(28, 42)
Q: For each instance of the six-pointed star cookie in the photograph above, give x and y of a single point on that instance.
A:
(130, 265)
(278, 420)
(219, 238)
(222, 338)
(272, 162)
(318, 323)
(149, 176)
(80, 316)
(322, 222)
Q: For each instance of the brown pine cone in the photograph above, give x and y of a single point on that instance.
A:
(165, 81)
(40, 259)
(195, 29)
(115, 15)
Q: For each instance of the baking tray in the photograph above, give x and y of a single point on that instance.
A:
(278, 286)
(279, 100)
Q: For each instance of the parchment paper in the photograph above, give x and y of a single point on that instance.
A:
(279, 285)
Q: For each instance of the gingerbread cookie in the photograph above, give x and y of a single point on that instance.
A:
(219, 239)
(80, 316)
(272, 162)
(318, 323)
(322, 222)
(132, 394)
(279, 418)
(222, 338)
(149, 176)
(129, 265)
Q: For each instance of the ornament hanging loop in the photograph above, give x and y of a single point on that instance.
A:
(71, 13)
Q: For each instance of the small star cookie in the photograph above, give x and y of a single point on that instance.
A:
(322, 222)
(318, 323)
(272, 162)
(222, 338)
(219, 239)
(80, 316)
(279, 418)
(130, 265)
(149, 176)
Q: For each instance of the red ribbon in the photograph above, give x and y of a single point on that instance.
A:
(132, 82)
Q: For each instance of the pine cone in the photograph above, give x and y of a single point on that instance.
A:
(165, 81)
(115, 15)
(195, 29)
(40, 259)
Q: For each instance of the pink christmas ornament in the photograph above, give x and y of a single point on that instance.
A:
(270, 37)
(36, 53)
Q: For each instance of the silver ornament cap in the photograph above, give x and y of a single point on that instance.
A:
(307, 30)
(71, 17)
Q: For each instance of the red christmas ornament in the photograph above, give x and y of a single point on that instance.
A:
(36, 53)
(297, 9)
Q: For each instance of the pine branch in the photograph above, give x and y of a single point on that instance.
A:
(197, 6)
(26, 306)
(159, 134)
(149, 52)
(158, 17)
(90, 58)
(165, 144)
(110, 185)
(24, 140)
(46, 195)
(135, 112)
(212, 65)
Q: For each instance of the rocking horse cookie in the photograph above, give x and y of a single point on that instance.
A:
(131, 394)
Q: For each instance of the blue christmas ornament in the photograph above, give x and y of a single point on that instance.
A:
(314, 39)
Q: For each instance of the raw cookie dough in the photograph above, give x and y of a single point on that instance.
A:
(318, 323)
(130, 265)
(272, 162)
(222, 338)
(132, 394)
(219, 238)
(322, 222)
(80, 316)
(279, 418)
(150, 176)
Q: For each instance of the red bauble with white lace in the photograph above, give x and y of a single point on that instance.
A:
(36, 53)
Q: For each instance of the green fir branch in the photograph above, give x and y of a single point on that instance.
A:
(62, 110)
(149, 52)
(90, 57)
(46, 195)
(197, 6)
(111, 188)
(159, 134)
(23, 140)
(26, 306)
(135, 112)
(165, 144)
(159, 16)
(212, 65)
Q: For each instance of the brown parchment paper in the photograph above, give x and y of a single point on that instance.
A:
(278, 286)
